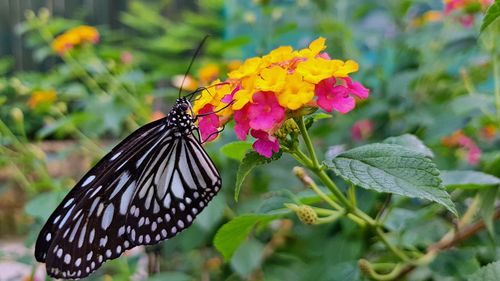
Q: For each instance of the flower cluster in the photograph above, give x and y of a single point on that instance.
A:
(265, 91)
(74, 37)
(466, 9)
(467, 145)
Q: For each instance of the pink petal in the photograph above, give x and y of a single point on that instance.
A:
(265, 113)
(341, 101)
(356, 88)
(208, 125)
(265, 144)
(324, 55)
(229, 97)
(241, 121)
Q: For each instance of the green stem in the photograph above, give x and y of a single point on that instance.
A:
(391, 247)
(309, 144)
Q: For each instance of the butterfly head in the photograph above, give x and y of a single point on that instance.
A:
(180, 117)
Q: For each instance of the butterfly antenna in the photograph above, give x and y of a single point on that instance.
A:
(198, 50)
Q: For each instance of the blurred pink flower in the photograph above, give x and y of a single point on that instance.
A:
(459, 139)
(361, 130)
(126, 57)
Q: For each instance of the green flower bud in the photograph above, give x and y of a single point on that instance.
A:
(17, 115)
(306, 214)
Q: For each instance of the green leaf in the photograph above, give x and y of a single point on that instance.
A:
(247, 258)
(236, 150)
(488, 198)
(492, 14)
(394, 169)
(490, 272)
(229, 237)
(42, 205)
(410, 142)
(171, 276)
(251, 160)
(468, 179)
(457, 264)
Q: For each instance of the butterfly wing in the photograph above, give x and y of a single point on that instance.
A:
(179, 183)
(84, 230)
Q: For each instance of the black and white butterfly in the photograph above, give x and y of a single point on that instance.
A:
(147, 189)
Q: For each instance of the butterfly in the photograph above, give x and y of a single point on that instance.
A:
(150, 187)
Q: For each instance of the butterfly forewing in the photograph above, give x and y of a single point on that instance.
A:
(148, 188)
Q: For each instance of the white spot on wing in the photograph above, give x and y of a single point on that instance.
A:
(108, 216)
(123, 179)
(126, 197)
(177, 187)
(88, 180)
(68, 202)
(115, 156)
(67, 258)
(66, 217)
(166, 201)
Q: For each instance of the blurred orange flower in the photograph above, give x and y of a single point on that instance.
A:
(41, 97)
(208, 73)
(74, 37)
(156, 115)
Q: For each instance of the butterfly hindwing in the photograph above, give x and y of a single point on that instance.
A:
(182, 181)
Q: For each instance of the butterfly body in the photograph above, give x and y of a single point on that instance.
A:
(147, 189)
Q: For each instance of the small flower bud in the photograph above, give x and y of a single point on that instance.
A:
(289, 127)
(306, 214)
(17, 115)
(44, 14)
(364, 267)
(62, 107)
(29, 14)
(303, 176)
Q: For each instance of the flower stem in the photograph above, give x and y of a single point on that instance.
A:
(391, 247)
(308, 142)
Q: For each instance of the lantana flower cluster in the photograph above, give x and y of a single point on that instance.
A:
(459, 140)
(74, 37)
(265, 91)
(466, 9)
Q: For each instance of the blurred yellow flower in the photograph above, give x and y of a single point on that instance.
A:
(74, 37)
(208, 73)
(41, 97)
(233, 65)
